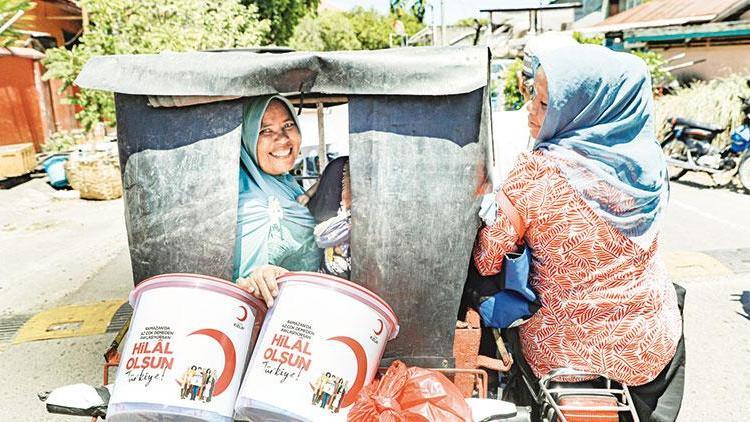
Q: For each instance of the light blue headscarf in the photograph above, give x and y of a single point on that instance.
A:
(272, 227)
(599, 126)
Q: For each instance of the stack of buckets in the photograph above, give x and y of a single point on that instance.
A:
(202, 349)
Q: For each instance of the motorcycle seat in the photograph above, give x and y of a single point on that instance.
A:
(679, 121)
(700, 134)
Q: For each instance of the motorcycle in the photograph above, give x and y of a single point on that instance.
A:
(689, 147)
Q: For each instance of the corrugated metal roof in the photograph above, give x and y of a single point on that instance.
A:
(692, 32)
(524, 5)
(673, 10)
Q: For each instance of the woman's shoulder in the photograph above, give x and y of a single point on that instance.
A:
(535, 183)
(530, 166)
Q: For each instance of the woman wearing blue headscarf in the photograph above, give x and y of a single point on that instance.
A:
(588, 202)
(274, 231)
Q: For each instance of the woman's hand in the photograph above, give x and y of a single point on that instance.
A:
(488, 209)
(262, 282)
(305, 197)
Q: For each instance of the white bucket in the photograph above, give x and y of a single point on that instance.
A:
(320, 344)
(186, 350)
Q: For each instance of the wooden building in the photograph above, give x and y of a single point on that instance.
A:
(32, 109)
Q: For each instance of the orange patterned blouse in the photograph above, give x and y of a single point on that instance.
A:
(607, 305)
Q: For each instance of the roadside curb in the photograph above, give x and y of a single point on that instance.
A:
(66, 322)
(683, 265)
(723, 262)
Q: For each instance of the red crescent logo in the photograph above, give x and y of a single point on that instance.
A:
(379, 330)
(244, 314)
(230, 357)
(359, 353)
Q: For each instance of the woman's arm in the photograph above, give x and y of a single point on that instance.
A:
(305, 197)
(493, 243)
(513, 214)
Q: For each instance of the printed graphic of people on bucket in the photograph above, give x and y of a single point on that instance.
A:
(328, 390)
(197, 383)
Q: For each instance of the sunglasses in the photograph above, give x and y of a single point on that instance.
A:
(529, 85)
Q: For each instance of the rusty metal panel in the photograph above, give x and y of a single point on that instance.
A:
(20, 117)
(64, 114)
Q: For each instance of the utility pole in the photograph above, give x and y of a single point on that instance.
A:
(433, 21)
(322, 153)
(442, 23)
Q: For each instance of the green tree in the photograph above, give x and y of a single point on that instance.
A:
(358, 29)
(373, 30)
(511, 91)
(330, 30)
(597, 39)
(416, 8)
(337, 32)
(11, 13)
(283, 15)
(370, 27)
(307, 35)
(149, 26)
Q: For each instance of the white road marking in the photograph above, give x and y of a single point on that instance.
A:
(709, 216)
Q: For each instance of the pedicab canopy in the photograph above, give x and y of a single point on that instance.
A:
(419, 127)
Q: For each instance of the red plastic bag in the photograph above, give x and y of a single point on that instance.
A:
(410, 395)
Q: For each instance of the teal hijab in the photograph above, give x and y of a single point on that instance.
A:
(272, 227)
(599, 127)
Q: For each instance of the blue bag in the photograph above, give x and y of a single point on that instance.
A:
(506, 309)
(516, 302)
(517, 267)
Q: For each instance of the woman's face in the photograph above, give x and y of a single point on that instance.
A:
(538, 105)
(278, 140)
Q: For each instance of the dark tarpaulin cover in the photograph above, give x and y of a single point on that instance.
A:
(180, 169)
(399, 71)
(416, 163)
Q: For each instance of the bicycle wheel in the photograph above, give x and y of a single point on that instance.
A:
(743, 171)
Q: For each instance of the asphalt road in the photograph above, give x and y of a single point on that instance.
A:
(58, 252)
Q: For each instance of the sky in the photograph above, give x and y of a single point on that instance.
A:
(454, 9)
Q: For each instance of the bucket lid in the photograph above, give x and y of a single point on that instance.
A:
(355, 290)
(200, 282)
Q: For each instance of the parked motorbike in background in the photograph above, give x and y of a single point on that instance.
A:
(689, 147)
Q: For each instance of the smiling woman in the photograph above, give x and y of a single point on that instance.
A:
(274, 231)
(278, 139)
